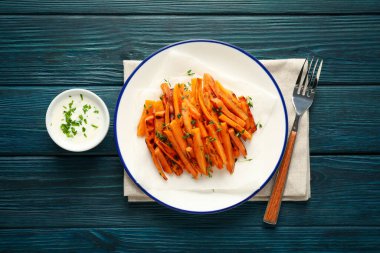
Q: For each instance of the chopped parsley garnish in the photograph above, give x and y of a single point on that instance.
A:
(259, 125)
(249, 99)
(85, 121)
(179, 115)
(211, 139)
(211, 122)
(161, 137)
(208, 159)
(218, 129)
(209, 170)
(166, 81)
(238, 134)
(83, 129)
(94, 126)
(218, 110)
(246, 160)
(85, 108)
(187, 135)
(190, 72)
(81, 97)
(193, 121)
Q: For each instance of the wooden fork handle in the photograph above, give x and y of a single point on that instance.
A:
(274, 204)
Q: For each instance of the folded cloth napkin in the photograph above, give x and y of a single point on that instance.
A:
(297, 188)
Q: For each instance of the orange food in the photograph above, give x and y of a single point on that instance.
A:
(195, 127)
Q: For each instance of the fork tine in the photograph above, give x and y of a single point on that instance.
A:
(316, 79)
(301, 72)
(307, 74)
(312, 76)
(297, 86)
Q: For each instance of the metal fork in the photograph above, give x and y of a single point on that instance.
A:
(303, 96)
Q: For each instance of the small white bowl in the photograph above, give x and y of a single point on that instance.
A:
(64, 142)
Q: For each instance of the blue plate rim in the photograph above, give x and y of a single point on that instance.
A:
(197, 41)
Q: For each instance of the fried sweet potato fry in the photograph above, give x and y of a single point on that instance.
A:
(196, 126)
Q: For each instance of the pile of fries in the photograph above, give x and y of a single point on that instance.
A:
(196, 126)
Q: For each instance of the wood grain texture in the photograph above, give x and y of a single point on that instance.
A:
(187, 7)
(57, 192)
(132, 239)
(88, 50)
(274, 203)
(335, 119)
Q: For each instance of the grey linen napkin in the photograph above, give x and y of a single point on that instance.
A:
(297, 188)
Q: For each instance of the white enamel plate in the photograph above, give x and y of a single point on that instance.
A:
(236, 70)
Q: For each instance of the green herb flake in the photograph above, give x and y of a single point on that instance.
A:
(211, 122)
(166, 81)
(193, 121)
(161, 137)
(81, 96)
(187, 135)
(85, 121)
(218, 129)
(211, 139)
(208, 159)
(246, 160)
(94, 126)
(250, 103)
(85, 108)
(190, 72)
(179, 115)
(85, 135)
(83, 129)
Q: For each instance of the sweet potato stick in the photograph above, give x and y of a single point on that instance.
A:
(238, 143)
(214, 139)
(181, 155)
(167, 114)
(164, 163)
(149, 126)
(235, 125)
(233, 107)
(201, 101)
(227, 148)
(202, 128)
(178, 134)
(148, 110)
(235, 152)
(176, 101)
(177, 170)
(169, 152)
(155, 160)
(227, 92)
(209, 82)
(199, 150)
(159, 121)
(250, 122)
(222, 108)
(193, 110)
(186, 116)
(194, 91)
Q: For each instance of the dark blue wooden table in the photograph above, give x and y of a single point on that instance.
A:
(52, 200)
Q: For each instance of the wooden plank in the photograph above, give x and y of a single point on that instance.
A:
(184, 239)
(187, 7)
(41, 192)
(88, 50)
(339, 118)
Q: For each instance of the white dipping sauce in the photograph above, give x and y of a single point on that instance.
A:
(76, 119)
